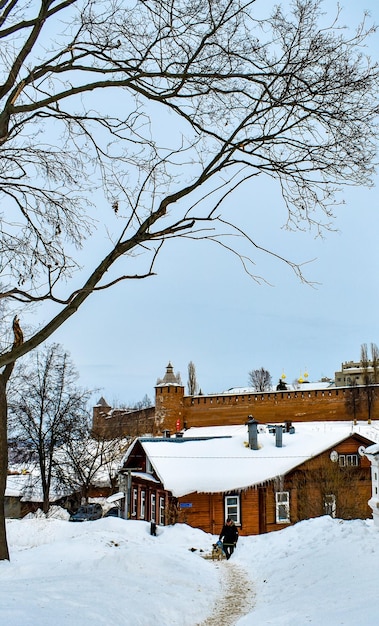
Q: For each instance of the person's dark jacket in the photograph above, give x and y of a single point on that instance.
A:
(229, 534)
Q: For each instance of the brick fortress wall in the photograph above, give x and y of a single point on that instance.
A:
(174, 411)
(279, 406)
(111, 423)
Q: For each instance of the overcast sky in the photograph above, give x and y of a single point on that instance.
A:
(202, 307)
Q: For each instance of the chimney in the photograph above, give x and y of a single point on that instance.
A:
(252, 427)
(278, 436)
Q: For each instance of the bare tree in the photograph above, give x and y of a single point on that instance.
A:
(88, 459)
(260, 379)
(370, 375)
(353, 402)
(375, 363)
(145, 403)
(240, 95)
(47, 410)
(328, 488)
(365, 363)
(192, 385)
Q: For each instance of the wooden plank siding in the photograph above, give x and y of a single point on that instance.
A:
(208, 511)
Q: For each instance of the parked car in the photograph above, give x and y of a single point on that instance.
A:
(87, 513)
(113, 512)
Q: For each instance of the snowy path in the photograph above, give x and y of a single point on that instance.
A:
(236, 596)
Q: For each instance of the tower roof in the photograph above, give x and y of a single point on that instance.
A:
(169, 378)
(103, 402)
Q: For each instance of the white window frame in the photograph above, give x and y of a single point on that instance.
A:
(142, 504)
(134, 501)
(233, 508)
(153, 507)
(161, 510)
(348, 460)
(149, 467)
(282, 507)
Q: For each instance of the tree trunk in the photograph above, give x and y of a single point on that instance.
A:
(4, 377)
(4, 553)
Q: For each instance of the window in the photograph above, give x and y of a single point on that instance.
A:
(348, 459)
(161, 510)
(134, 502)
(149, 467)
(232, 508)
(330, 504)
(282, 499)
(153, 508)
(142, 505)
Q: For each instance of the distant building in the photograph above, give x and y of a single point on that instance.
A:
(354, 373)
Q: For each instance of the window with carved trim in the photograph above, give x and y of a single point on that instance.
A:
(348, 460)
(153, 507)
(142, 504)
(232, 508)
(282, 501)
(134, 502)
(161, 510)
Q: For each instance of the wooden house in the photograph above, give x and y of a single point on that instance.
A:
(23, 494)
(264, 477)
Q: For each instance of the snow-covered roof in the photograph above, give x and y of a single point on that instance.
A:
(101, 462)
(17, 484)
(372, 450)
(218, 459)
(28, 488)
(318, 385)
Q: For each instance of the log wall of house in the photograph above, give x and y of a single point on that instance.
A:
(202, 510)
(250, 511)
(207, 511)
(351, 485)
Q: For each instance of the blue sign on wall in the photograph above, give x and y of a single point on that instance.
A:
(185, 505)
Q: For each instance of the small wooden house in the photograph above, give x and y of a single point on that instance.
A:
(264, 477)
(23, 494)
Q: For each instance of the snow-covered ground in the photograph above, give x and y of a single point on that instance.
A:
(113, 572)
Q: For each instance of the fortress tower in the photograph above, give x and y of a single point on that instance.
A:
(169, 394)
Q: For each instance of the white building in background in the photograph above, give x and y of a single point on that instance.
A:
(353, 373)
